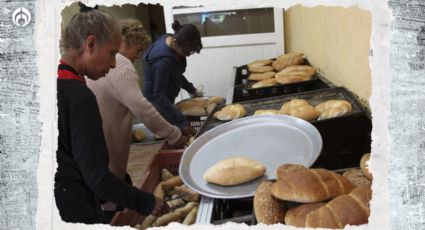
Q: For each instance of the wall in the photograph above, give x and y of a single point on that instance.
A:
(139, 12)
(335, 40)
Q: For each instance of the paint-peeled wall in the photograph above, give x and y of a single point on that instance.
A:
(336, 41)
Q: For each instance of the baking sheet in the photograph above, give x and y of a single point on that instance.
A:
(149, 136)
(272, 140)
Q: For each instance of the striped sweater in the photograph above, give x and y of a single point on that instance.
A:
(119, 97)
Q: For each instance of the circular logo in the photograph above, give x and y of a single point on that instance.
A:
(21, 17)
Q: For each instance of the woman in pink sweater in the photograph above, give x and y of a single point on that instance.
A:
(119, 98)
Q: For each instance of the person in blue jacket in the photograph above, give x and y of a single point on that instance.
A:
(165, 63)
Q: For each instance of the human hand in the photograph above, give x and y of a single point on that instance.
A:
(180, 144)
(160, 208)
(188, 131)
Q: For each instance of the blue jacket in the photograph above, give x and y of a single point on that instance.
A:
(163, 79)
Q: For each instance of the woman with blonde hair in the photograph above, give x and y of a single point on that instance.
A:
(119, 98)
(83, 179)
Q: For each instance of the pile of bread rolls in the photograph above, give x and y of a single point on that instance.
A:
(183, 202)
(199, 106)
(287, 68)
(305, 197)
(303, 109)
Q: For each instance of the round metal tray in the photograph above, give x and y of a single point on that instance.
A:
(271, 140)
(149, 136)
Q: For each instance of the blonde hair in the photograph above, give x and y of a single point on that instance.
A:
(134, 34)
(87, 23)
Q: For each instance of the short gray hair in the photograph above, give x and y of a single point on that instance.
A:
(84, 24)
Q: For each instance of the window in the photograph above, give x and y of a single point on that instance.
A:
(230, 22)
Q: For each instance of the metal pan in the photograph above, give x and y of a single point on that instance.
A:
(271, 140)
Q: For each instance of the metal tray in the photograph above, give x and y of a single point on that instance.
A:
(270, 139)
(149, 136)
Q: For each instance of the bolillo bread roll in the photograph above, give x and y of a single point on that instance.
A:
(234, 170)
(311, 185)
(297, 216)
(287, 106)
(193, 110)
(333, 112)
(261, 76)
(292, 79)
(261, 69)
(351, 209)
(345, 105)
(297, 70)
(305, 112)
(288, 59)
(266, 112)
(267, 209)
(216, 99)
(230, 112)
(259, 63)
(264, 83)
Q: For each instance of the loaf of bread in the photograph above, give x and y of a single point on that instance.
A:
(305, 112)
(296, 70)
(345, 105)
(191, 217)
(267, 209)
(172, 182)
(216, 99)
(287, 106)
(230, 112)
(351, 209)
(288, 59)
(138, 135)
(193, 110)
(356, 177)
(186, 193)
(234, 170)
(261, 76)
(364, 167)
(264, 83)
(261, 69)
(260, 63)
(297, 216)
(292, 79)
(266, 112)
(286, 169)
(333, 112)
(167, 218)
(310, 186)
(165, 174)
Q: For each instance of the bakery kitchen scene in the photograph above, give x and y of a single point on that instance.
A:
(245, 115)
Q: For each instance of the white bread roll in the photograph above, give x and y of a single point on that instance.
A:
(267, 209)
(264, 83)
(261, 69)
(288, 59)
(292, 79)
(261, 76)
(230, 112)
(234, 170)
(216, 99)
(333, 112)
(287, 106)
(259, 63)
(310, 186)
(322, 107)
(193, 110)
(266, 112)
(305, 112)
(301, 70)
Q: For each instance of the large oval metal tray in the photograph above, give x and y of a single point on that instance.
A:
(271, 140)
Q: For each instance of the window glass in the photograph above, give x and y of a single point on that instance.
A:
(230, 22)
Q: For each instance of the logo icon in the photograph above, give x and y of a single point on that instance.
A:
(21, 17)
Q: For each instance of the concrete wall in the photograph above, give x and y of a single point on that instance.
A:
(335, 40)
